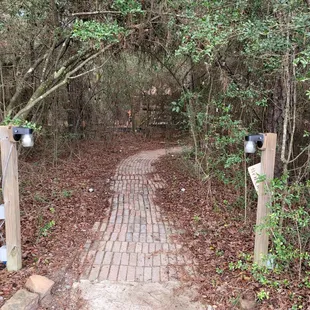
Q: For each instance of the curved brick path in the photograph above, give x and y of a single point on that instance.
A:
(134, 244)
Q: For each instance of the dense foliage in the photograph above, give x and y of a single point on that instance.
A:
(234, 66)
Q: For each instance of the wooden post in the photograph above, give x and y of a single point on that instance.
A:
(267, 165)
(11, 198)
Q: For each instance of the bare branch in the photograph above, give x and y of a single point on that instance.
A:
(62, 50)
(91, 70)
(286, 76)
(89, 59)
(20, 85)
(294, 104)
(32, 102)
(62, 74)
(95, 13)
(304, 150)
(47, 59)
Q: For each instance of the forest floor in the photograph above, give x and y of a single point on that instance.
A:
(58, 212)
(211, 222)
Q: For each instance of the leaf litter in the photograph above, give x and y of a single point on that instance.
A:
(59, 203)
(210, 220)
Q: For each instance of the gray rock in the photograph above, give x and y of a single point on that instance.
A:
(22, 300)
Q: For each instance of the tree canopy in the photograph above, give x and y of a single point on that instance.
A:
(229, 67)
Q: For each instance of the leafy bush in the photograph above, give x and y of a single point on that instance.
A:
(288, 224)
(96, 31)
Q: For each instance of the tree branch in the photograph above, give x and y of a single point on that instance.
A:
(95, 13)
(20, 84)
(63, 75)
(304, 150)
(47, 59)
(62, 50)
(91, 70)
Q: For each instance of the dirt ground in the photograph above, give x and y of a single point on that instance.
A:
(210, 220)
(58, 210)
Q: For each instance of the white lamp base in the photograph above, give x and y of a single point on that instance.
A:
(3, 254)
(2, 213)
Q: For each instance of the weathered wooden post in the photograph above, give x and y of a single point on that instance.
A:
(10, 190)
(267, 144)
(264, 196)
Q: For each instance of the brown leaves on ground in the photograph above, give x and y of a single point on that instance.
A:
(57, 208)
(209, 218)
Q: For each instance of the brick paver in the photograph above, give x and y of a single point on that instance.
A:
(134, 243)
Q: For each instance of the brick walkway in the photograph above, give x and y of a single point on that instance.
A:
(134, 244)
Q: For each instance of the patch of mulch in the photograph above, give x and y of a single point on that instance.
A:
(210, 220)
(58, 210)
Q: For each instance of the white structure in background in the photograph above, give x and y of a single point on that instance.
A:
(3, 256)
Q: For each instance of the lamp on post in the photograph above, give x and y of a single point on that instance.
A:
(252, 142)
(25, 135)
(267, 144)
(9, 135)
